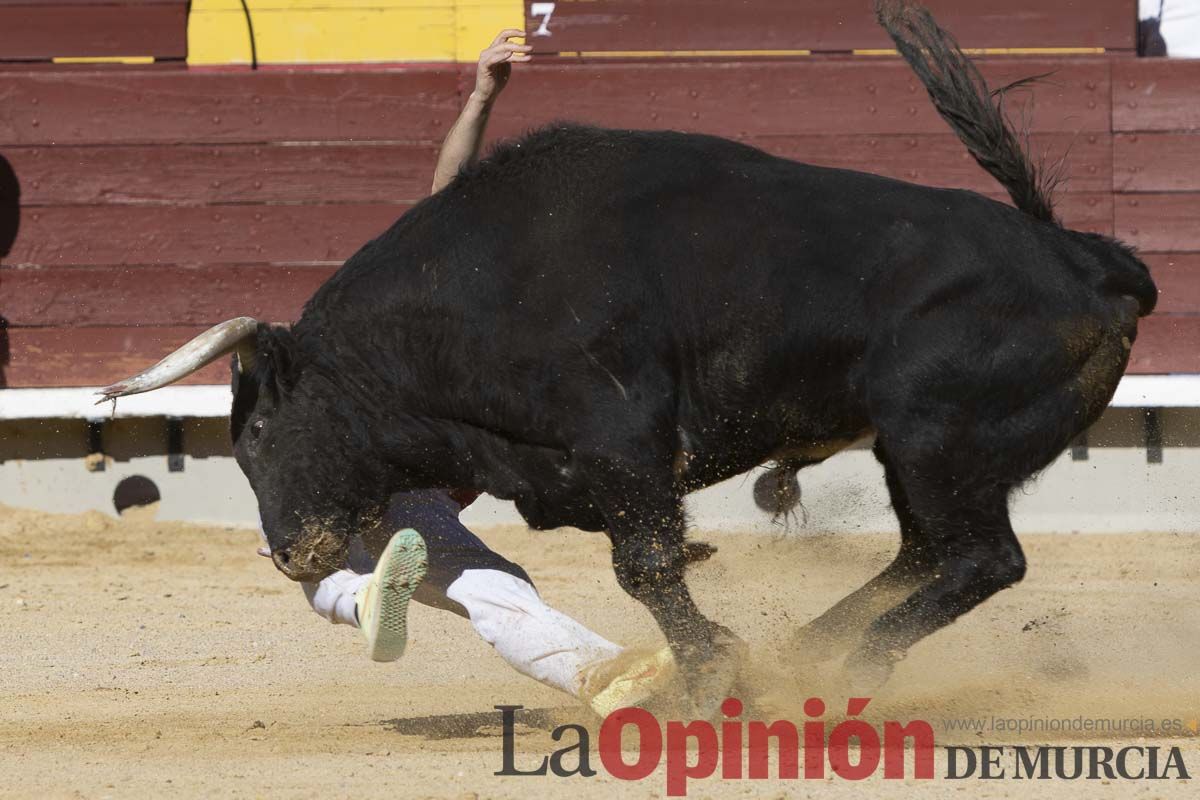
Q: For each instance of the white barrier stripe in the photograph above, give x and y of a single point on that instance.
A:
(1134, 391)
(80, 403)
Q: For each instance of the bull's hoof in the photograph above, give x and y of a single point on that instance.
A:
(695, 552)
(811, 646)
(710, 681)
(865, 672)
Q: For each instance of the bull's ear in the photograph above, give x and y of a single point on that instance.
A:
(276, 347)
(262, 381)
(245, 398)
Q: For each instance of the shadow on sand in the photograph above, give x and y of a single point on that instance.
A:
(484, 724)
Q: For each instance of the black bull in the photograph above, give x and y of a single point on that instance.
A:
(593, 323)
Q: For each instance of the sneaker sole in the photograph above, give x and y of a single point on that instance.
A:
(401, 570)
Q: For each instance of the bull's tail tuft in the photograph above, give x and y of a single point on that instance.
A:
(961, 96)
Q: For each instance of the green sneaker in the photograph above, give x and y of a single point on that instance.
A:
(382, 603)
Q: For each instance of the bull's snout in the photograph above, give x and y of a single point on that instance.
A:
(310, 558)
(289, 565)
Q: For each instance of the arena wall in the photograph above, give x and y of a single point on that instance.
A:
(152, 184)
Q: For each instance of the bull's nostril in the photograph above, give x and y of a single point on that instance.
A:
(292, 567)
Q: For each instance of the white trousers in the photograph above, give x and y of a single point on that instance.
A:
(507, 612)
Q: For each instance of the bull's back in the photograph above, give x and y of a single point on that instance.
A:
(682, 220)
(584, 265)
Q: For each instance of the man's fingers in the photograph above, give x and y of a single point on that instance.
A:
(264, 551)
(506, 34)
(506, 58)
(502, 50)
(509, 52)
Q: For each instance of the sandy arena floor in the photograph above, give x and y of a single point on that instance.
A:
(144, 659)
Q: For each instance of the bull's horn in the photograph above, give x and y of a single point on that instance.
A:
(234, 334)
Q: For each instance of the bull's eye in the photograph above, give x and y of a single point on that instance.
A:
(257, 428)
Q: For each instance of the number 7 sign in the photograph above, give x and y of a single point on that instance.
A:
(545, 11)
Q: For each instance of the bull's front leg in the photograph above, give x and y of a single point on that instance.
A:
(650, 556)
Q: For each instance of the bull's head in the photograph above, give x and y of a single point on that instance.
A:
(289, 438)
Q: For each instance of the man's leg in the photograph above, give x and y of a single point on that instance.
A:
(465, 576)
(333, 598)
(536, 640)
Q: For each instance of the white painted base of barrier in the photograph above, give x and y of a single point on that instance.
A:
(1135, 391)
(80, 403)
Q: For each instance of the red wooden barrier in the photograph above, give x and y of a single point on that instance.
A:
(805, 96)
(1156, 95)
(40, 30)
(818, 25)
(200, 208)
(170, 107)
(1166, 343)
(732, 99)
(93, 356)
(1164, 222)
(1156, 166)
(939, 159)
(1157, 162)
(341, 173)
(126, 235)
(77, 297)
(191, 174)
(1178, 279)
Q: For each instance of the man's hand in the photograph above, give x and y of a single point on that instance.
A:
(462, 143)
(495, 64)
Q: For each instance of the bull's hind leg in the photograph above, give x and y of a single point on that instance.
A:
(840, 628)
(964, 418)
(971, 552)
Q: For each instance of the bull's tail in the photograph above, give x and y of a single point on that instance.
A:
(962, 97)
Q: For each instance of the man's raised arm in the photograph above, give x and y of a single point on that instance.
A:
(466, 136)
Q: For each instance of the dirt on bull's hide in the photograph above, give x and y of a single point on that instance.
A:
(318, 551)
(141, 657)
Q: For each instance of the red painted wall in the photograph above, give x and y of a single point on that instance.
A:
(139, 206)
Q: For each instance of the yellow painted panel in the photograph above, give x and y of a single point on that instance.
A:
(340, 5)
(103, 59)
(217, 39)
(347, 31)
(479, 22)
(316, 36)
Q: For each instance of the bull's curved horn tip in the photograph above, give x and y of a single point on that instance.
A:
(110, 392)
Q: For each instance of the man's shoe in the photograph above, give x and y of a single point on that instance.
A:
(382, 604)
